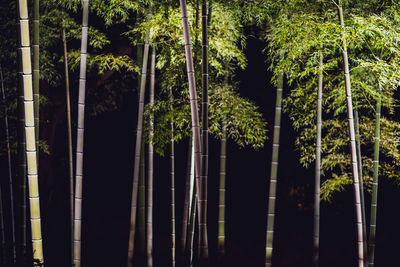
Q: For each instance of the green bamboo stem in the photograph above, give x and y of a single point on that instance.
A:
(221, 189)
(274, 175)
(138, 145)
(30, 148)
(80, 138)
(374, 200)
(35, 69)
(69, 129)
(3, 260)
(204, 136)
(350, 116)
(318, 167)
(141, 224)
(196, 133)
(149, 218)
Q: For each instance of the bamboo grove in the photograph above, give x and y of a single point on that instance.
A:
(175, 67)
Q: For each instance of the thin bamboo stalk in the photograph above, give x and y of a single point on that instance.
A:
(70, 156)
(352, 143)
(35, 69)
(149, 220)
(274, 175)
(3, 260)
(172, 186)
(318, 166)
(374, 200)
(141, 224)
(192, 212)
(30, 148)
(221, 189)
(196, 132)
(137, 151)
(204, 136)
(80, 138)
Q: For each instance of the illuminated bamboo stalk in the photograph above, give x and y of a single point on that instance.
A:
(141, 224)
(3, 260)
(318, 167)
(374, 200)
(149, 220)
(221, 189)
(196, 134)
(80, 138)
(192, 211)
(70, 156)
(274, 175)
(30, 148)
(172, 186)
(35, 69)
(352, 143)
(138, 146)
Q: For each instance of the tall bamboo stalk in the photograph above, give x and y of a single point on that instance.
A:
(196, 133)
(374, 200)
(185, 212)
(172, 185)
(192, 212)
(80, 137)
(138, 145)
(149, 220)
(221, 189)
(352, 143)
(3, 260)
(70, 156)
(274, 175)
(204, 135)
(30, 148)
(318, 166)
(141, 224)
(35, 69)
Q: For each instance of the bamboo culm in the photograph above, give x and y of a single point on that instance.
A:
(80, 138)
(141, 223)
(3, 260)
(318, 167)
(138, 145)
(274, 175)
(172, 186)
(70, 156)
(204, 136)
(221, 189)
(356, 181)
(149, 218)
(35, 69)
(25, 76)
(374, 200)
(196, 130)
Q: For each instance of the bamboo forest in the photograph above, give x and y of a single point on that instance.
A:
(199, 133)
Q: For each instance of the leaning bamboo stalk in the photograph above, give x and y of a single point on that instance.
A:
(318, 167)
(374, 200)
(35, 69)
(196, 132)
(352, 142)
(3, 260)
(221, 189)
(138, 146)
(80, 138)
(30, 148)
(141, 224)
(204, 133)
(192, 212)
(149, 218)
(70, 156)
(273, 175)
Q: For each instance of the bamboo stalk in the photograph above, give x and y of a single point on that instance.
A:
(172, 186)
(137, 151)
(80, 138)
(35, 69)
(70, 156)
(141, 224)
(196, 132)
(149, 220)
(3, 260)
(192, 212)
(352, 144)
(221, 189)
(204, 136)
(318, 167)
(374, 200)
(274, 175)
(30, 148)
